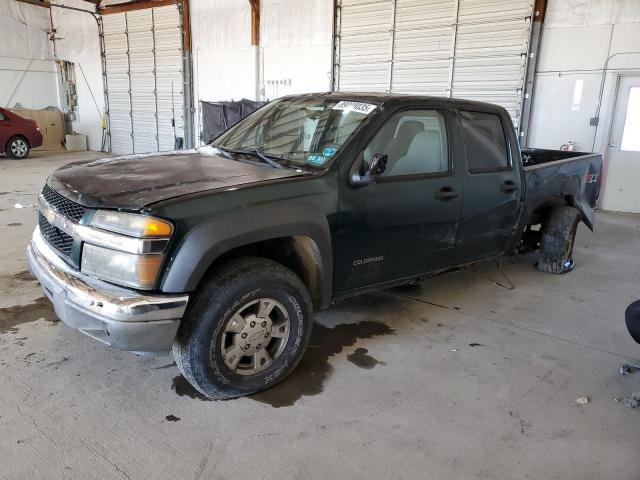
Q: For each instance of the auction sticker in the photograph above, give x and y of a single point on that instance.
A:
(349, 106)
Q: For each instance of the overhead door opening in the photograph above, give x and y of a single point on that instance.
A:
(456, 48)
(144, 70)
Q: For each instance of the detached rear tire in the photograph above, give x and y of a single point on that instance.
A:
(246, 329)
(558, 237)
(17, 147)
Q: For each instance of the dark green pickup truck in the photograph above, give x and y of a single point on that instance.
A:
(223, 253)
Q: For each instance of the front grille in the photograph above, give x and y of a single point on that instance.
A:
(63, 205)
(56, 237)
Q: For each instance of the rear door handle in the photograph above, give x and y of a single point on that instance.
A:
(509, 186)
(447, 192)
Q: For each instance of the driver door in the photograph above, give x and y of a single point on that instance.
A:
(405, 223)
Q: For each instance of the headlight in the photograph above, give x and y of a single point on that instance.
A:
(124, 248)
(138, 271)
(132, 224)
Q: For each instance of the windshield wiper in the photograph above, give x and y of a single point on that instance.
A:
(257, 152)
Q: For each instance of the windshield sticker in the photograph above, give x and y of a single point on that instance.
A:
(316, 160)
(329, 151)
(359, 107)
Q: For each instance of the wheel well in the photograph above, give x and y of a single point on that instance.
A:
(298, 253)
(17, 136)
(542, 211)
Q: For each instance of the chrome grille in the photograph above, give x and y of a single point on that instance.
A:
(63, 205)
(55, 237)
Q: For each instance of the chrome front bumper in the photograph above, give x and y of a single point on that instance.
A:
(116, 316)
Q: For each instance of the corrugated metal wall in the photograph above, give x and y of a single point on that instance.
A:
(461, 48)
(144, 79)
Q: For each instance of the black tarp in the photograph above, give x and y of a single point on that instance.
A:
(219, 116)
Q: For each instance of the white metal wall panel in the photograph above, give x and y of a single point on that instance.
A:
(169, 75)
(143, 99)
(491, 52)
(365, 44)
(462, 48)
(421, 55)
(117, 66)
(143, 51)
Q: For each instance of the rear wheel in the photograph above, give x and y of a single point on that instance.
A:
(558, 237)
(246, 330)
(17, 147)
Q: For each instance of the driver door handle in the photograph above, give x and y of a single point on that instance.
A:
(447, 192)
(509, 186)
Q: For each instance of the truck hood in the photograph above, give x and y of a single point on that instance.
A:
(134, 182)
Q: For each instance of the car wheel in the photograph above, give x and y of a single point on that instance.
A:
(632, 318)
(558, 237)
(245, 330)
(18, 148)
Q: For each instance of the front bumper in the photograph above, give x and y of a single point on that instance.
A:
(116, 316)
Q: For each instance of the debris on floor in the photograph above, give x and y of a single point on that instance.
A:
(582, 400)
(628, 368)
(632, 401)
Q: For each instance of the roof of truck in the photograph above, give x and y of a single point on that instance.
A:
(380, 98)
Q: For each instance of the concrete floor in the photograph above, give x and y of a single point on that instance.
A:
(462, 379)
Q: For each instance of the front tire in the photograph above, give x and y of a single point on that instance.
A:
(246, 329)
(558, 237)
(18, 148)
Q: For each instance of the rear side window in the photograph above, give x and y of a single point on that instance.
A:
(2, 116)
(484, 142)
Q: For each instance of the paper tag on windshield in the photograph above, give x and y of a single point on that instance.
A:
(359, 107)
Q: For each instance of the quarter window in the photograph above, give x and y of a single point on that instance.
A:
(484, 142)
(415, 142)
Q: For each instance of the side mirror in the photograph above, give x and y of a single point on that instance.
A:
(377, 167)
(378, 164)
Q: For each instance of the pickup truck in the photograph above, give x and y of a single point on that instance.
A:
(222, 254)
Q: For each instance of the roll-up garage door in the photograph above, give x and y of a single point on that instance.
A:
(143, 52)
(460, 48)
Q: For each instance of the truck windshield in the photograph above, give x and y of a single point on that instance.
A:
(299, 131)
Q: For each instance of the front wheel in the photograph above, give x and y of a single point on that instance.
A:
(246, 330)
(17, 148)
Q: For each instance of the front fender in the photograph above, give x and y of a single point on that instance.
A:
(206, 242)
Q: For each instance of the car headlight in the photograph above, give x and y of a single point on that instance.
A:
(138, 271)
(125, 248)
(132, 224)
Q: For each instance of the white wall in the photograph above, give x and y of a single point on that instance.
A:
(77, 41)
(296, 46)
(223, 59)
(578, 36)
(294, 57)
(28, 74)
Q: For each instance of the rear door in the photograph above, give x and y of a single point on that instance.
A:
(405, 223)
(491, 185)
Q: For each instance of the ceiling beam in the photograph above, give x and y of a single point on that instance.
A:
(255, 22)
(36, 2)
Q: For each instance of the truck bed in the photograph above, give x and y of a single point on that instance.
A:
(532, 157)
(557, 174)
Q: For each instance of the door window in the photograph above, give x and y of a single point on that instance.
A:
(631, 134)
(484, 142)
(2, 117)
(415, 142)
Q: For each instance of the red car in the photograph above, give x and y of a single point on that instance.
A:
(18, 135)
